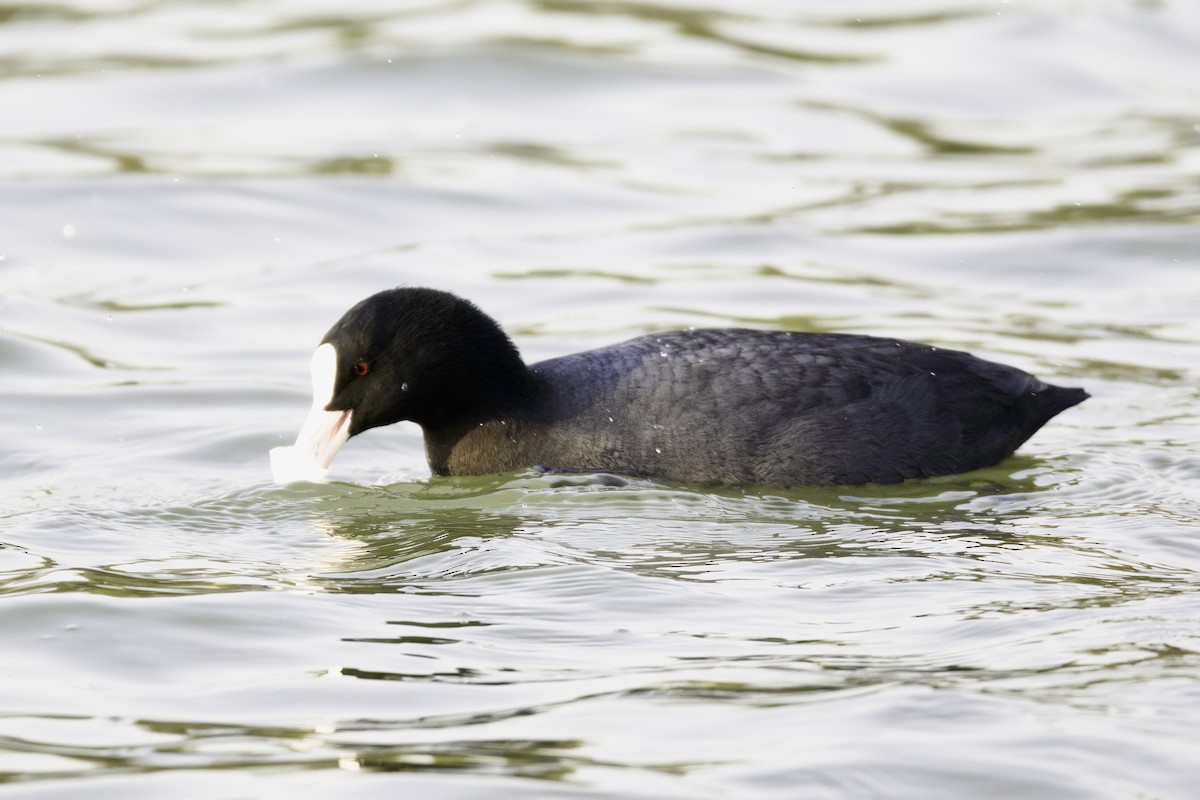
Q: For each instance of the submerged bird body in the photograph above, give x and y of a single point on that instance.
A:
(724, 405)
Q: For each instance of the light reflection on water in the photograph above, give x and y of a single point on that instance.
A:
(192, 193)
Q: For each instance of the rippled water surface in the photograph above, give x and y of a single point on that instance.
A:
(192, 192)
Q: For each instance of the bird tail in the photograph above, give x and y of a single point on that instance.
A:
(1053, 400)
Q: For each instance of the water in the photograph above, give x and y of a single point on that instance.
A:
(191, 193)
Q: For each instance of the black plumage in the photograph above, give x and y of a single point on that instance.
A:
(728, 405)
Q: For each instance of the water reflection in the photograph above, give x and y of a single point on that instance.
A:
(436, 533)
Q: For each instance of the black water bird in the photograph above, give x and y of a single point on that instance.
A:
(706, 405)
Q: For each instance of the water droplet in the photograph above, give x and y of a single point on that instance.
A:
(658, 450)
(610, 419)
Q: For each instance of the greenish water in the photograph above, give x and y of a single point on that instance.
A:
(191, 193)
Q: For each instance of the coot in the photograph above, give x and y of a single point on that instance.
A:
(716, 405)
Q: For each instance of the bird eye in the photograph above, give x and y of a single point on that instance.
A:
(362, 367)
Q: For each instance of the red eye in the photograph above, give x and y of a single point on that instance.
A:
(362, 368)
